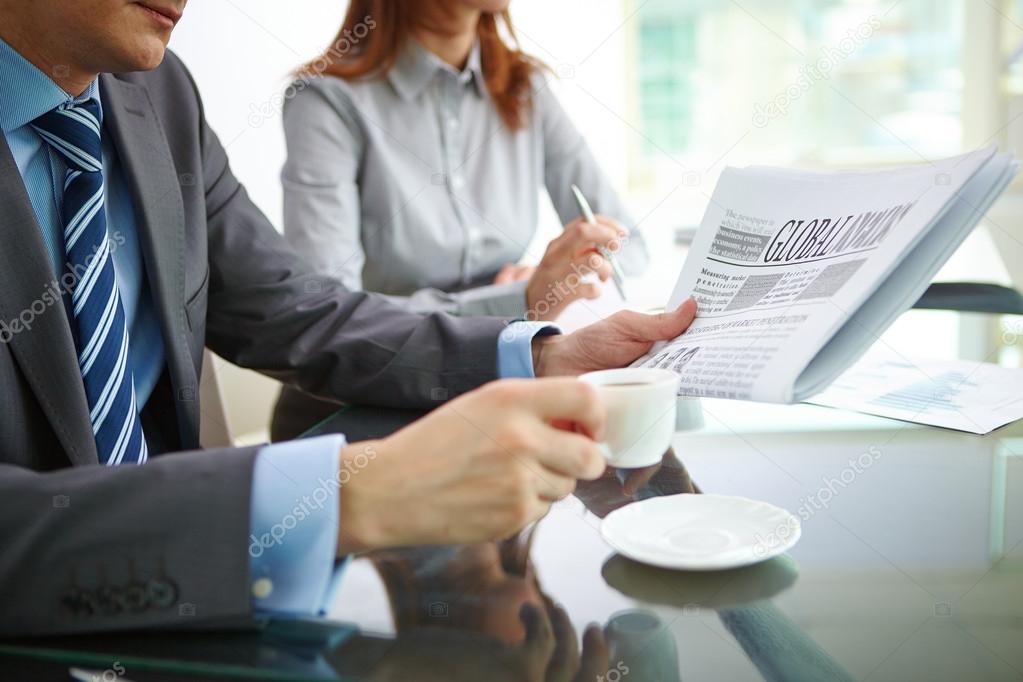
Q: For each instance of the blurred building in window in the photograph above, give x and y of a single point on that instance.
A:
(814, 82)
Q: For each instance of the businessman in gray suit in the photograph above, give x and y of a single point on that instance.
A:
(129, 247)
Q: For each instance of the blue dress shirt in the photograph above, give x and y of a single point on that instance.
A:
(294, 511)
(32, 94)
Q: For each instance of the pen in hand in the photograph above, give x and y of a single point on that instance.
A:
(616, 270)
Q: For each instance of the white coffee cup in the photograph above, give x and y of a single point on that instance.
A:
(641, 409)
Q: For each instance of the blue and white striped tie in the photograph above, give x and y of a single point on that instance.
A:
(73, 131)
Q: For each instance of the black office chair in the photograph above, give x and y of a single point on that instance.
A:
(971, 297)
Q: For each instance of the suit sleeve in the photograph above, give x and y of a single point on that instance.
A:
(102, 548)
(270, 311)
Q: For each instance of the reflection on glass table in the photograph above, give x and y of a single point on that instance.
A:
(910, 567)
(461, 610)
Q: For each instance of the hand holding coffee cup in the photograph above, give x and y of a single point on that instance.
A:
(641, 413)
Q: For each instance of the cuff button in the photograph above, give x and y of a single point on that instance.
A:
(262, 588)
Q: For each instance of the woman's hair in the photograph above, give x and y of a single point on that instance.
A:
(375, 31)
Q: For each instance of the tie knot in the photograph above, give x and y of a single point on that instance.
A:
(73, 131)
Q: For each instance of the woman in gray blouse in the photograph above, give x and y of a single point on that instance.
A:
(416, 149)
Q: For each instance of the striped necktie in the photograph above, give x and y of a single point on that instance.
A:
(73, 132)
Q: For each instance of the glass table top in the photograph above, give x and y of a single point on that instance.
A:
(910, 567)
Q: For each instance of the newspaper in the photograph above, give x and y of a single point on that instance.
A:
(797, 273)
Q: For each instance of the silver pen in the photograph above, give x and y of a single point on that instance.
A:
(616, 270)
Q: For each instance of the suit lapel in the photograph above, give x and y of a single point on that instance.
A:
(148, 166)
(45, 349)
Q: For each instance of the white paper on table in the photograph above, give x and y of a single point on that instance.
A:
(975, 397)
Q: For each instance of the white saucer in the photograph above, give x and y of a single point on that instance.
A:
(700, 532)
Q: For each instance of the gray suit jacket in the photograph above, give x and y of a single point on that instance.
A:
(87, 547)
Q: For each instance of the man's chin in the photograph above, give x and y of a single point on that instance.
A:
(146, 58)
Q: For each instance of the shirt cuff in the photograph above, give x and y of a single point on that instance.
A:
(515, 348)
(294, 525)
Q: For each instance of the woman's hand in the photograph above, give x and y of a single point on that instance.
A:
(514, 273)
(558, 279)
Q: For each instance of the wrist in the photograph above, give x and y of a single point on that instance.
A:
(530, 297)
(358, 530)
(543, 349)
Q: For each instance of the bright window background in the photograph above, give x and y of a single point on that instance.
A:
(822, 81)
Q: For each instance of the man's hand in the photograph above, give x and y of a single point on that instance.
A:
(608, 344)
(479, 468)
(575, 253)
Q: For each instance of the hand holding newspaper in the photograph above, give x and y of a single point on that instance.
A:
(797, 273)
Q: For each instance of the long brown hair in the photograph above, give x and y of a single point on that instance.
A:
(375, 31)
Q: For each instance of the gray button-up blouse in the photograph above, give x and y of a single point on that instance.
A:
(411, 185)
